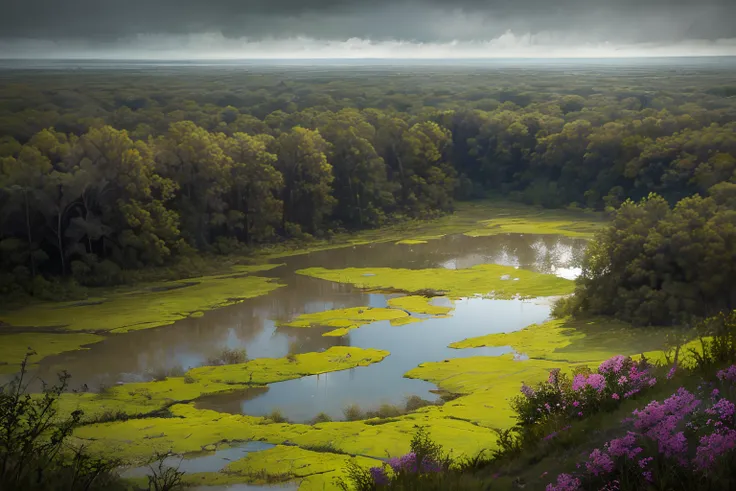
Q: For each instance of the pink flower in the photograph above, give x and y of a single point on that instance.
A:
(624, 446)
(724, 409)
(599, 463)
(615, 396)
(575, 403)
(712, 447)
(728, 374)
(527, 391)
(715, 393)
(565, 482)
(672, 371)
(612, 365)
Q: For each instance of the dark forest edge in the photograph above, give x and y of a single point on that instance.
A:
(96, 203)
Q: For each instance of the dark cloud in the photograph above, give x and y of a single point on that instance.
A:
(103, 21)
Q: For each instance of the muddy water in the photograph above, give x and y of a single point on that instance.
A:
(143, 355)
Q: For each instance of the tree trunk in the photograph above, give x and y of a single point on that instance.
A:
(28, 231)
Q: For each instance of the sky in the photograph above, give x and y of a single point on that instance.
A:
(299, 29)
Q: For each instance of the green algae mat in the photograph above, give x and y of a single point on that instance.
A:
(13, 347)
(493, 280)
(55, 327)
(146, 397)
(345, 320)
(546, 223)
(157, 305)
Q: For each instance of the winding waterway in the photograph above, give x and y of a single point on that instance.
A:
(251, 325)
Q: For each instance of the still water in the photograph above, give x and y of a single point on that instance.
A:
(251, 325)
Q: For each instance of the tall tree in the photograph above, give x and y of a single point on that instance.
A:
(307, 178)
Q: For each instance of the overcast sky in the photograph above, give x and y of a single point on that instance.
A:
(364, 28)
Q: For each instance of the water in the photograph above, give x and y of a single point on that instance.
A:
(251, 325)
(209, 462)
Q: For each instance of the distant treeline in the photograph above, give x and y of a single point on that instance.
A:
(144, 178)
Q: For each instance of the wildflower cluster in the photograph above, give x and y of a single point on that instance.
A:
(425, 458)
(616, 379)
(677, 442)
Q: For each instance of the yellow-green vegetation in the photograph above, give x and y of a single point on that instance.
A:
(345, 319)
(411, 242)
(488, 382)
(541, 223)
(282, 463)
(577, 341)
(13, 347)
(263, 371)
(418, 304)
(146, 397)
(486, 279)
(192, 430)
(146, 307)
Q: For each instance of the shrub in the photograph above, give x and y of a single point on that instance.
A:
(353, 412)
(425, 460)
(35, 447)
(687, 441)
(229, 357)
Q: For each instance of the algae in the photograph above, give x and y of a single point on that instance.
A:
(263, 371)
(542, 224)
(411, 242)
(579, 340)
(146, 307)
(344, 319)
(485, 279)
(316, 470)
(13, 347)
(191, 430)
(146, 397)
(418, 304)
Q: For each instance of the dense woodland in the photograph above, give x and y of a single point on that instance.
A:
(104, 171)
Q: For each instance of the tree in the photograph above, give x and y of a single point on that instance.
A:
(307, 178)
(256, 185)
(194, 158)
(361, 187)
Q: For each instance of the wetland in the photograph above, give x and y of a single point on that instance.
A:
(345, 349)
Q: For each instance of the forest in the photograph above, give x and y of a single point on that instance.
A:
(107, 171)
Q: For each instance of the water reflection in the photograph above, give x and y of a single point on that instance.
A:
(251, 325)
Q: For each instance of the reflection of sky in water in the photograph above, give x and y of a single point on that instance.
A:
(142, 355)
(208, 462)
(409, 345)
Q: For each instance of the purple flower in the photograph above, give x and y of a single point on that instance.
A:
(712, 447)
(672, 371)
(527, 391)
(728, 374)
(615, 396)
(378, 474)
(624, 446)
(643, 463)
(565, 482)
(599, 463)
(612, 365)
(724, 409)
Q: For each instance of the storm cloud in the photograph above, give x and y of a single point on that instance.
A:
(232, 26)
